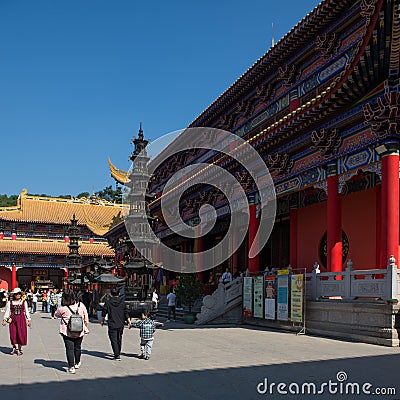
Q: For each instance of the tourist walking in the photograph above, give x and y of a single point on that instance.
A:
(35, 295)
(17, 316)
(72, 339)
(53, 301)
(155, 299)
(147, 329)
(171, 298)
(29, 299)
(117, 314)
(44, 301)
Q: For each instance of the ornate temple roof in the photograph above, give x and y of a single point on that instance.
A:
(302, 32)
(98, 215)
(46, 247)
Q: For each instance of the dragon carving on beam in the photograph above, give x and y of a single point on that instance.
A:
(264, 93)
(280, 162)
(367, 9)
(328, 44)
(384, 117)
(288, 74)
(328, 141)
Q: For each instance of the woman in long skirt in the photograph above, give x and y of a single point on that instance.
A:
(17, 310)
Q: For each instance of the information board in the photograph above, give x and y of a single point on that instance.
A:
(296, 299)
(270, 297)
(258, 291)
(283, 294)
(247, 296)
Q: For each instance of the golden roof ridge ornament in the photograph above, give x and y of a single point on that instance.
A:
(119, 175)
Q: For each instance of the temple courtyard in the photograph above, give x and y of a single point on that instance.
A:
(189, 362)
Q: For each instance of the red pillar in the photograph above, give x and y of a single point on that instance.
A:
(254, 263)
(334, 221)
(378, 228)
(13, 277)
(293, 237)
(390, 202)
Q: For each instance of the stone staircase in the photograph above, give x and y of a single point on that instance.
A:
(224, 305)
(162, 312)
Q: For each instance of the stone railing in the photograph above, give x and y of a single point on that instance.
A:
(222, 300)
(352, 284)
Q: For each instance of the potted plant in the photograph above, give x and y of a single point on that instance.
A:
(188, 290)
(392, 301)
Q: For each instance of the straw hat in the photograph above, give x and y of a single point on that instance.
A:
(16, 290)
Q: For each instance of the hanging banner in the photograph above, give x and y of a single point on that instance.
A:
(258, 291)
(283, 294)
(270, 290)
(296, 299)
(247, 296)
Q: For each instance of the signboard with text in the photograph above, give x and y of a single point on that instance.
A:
(270, 296)
(283, 295)
(247, 296)
(258, 291)
(296, 299)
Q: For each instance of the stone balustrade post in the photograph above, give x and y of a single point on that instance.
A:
(315, 282)
(348, 280)
(391, 280)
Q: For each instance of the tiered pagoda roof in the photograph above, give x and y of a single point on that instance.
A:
(98, 215)
(51, 247)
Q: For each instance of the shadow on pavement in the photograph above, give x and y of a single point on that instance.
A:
(5, 350)
(107, 356)
(348, 377)
(58, 365)
(99, 354)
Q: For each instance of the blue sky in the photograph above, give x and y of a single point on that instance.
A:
(77, 77)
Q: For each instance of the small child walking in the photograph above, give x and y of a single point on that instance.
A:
(147, 329)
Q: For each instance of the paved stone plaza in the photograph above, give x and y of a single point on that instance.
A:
(190, 363)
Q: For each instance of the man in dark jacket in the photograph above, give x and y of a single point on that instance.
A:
(117, 315)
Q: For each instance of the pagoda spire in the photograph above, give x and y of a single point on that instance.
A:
(140, 144)
(140, 135)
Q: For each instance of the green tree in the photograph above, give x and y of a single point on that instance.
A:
(110, 195)
(189, 290)
(8, 201)
(83, 194)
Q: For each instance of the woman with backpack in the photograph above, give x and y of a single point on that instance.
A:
(73, 326)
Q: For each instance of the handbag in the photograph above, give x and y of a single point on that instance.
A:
(9, 320)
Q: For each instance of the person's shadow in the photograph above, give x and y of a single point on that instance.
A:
(54, 364)
(5, 350)
(98, 354)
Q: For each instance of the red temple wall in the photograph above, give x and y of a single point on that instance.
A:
(358, 221)
(5, 276)
(311, 225)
